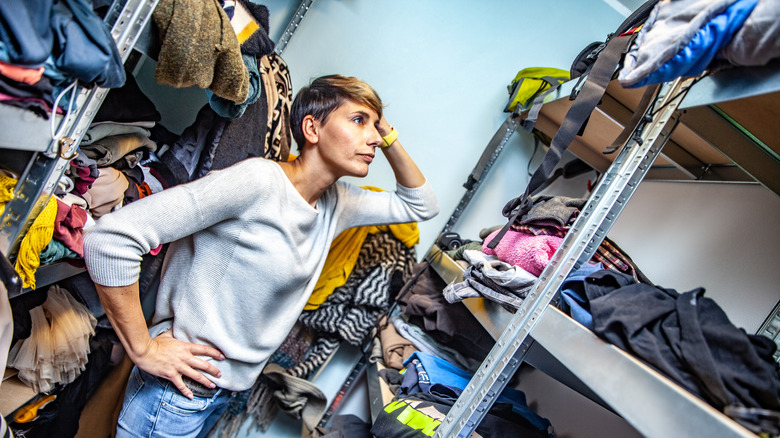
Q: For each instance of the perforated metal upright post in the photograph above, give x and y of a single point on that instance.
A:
(292, 26)
(596, 218)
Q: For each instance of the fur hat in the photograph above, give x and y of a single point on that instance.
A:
(199, 47)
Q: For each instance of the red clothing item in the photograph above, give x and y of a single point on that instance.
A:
(68, 226)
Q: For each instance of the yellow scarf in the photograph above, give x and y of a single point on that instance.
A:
(38, 236)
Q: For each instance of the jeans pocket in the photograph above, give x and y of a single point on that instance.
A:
(176, 403)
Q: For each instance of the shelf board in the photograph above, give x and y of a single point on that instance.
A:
(22, 129)
(576, 357)
(495, 318)
(726, 132)
(50, 274)
(650, 402)
(733, 84)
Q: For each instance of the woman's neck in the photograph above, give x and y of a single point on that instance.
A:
(309, 182)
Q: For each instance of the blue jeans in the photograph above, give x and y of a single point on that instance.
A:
(153, 407)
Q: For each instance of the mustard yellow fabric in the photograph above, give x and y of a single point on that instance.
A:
(344, 251)
(38, 236)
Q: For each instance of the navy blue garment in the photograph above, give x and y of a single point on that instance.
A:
(573, 299)
(688, 338)
(25, 33)
(84, 48)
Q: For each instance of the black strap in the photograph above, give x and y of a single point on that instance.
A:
(587, 99)
(638, 115)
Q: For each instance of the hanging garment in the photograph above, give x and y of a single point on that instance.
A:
(280, 97)
(344, 252)
(38, 236)
(199, 47)
(127, 104)
(250, 23)
(352, 311)
(231, 110)
(26, 36)
(57, 348)
(60, 417)
(257, 404)
(201, 136)
(83, 46)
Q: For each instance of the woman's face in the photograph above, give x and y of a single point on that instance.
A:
(349, 139)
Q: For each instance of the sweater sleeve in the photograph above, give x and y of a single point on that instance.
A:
(113, 248)
(361, 207)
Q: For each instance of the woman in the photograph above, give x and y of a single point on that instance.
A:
(247, 246)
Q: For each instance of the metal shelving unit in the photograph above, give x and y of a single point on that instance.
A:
(573, 355)
(50, 153)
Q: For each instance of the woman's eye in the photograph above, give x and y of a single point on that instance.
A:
(358, 120)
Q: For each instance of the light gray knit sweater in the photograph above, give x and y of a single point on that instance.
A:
(245, 255)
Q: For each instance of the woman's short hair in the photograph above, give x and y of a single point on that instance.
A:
(324, 95)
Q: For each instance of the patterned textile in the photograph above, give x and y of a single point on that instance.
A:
(352, 310)
(274, 70)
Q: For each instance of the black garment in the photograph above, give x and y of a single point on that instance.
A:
(20, 310)
(345, 426)
(449, 324)
(688, 338)
(259, 43)
(127, 104)
(240, 139)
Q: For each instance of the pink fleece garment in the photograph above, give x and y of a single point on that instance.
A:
(527, 251)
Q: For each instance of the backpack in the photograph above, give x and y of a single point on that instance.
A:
(531, 81)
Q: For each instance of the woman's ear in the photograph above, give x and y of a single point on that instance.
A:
(310, 129)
